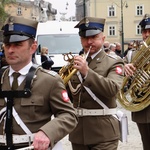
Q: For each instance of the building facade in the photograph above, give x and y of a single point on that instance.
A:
(122, 17)
(39, 10)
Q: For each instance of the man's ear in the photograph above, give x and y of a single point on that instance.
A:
(33, 47)
(104, 37)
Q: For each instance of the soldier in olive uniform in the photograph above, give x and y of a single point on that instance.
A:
(31, 117)
(142, 118)
(93, 89)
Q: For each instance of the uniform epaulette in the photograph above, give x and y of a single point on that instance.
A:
(113, 56)
(51, 72)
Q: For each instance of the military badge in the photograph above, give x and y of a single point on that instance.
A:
(86, 22)
(118, 70)
(65, 96)
(10, 25)
(146, 17)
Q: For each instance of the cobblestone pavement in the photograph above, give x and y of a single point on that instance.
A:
(133, 143)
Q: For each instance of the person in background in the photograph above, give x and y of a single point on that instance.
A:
(118, 49)
(1, 55)
(35, 95)
(1, 52)
(3, 61)
(81, 52)
(112, 48)
(46, 61)
(142, 118)
(107, 50)
(129, 55)
(130, 46)
(93, 89)
(106, 44)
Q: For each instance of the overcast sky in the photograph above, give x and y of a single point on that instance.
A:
(60, 5)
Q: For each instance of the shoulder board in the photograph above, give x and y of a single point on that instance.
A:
(113, 56)
(51, 72)
(2, 70)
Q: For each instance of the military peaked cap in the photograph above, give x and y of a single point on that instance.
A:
(18, 29)
(90, 26)
(145, 23)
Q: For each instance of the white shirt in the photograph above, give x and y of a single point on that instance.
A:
(24, 71)
(94, 55)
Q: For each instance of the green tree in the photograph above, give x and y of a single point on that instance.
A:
(3, 14)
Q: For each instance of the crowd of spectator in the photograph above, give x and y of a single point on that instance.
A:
(110, 48)
(116, 48)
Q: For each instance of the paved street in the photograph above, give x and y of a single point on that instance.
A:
(133, 143)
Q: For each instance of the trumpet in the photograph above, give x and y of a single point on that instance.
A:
(87, 54)
(66, 72)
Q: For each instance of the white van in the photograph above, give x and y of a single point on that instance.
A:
(60, 38)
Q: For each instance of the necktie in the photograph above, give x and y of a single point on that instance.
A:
(15, 80)
(89, 59)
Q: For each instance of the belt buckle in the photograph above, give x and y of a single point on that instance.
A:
(103, 112)
(29, 140)
(79, 112)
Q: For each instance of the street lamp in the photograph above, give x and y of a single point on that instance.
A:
(84, 8)
(67, 5)
(122, 27)
(63, 14)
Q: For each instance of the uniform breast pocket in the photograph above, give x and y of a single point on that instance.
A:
(37, 100)
(30, 107)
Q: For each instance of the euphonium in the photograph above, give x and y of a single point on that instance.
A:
(135, 92)
(67, 71)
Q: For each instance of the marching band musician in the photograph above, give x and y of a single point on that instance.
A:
(142, 118)
(93, 89)
(26, 105)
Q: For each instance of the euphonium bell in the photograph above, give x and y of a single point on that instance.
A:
(135, 92)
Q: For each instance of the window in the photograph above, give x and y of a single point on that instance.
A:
(19, 11)
(138, 30)
(111, 30)
(67, 43)
(139, 10)
(111, 11)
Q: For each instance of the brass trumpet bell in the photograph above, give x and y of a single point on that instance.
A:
(67, 71)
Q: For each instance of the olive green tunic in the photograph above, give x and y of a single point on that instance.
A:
(36, 111)
(104, 81)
